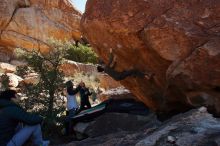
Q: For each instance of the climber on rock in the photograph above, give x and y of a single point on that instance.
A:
(109, 69)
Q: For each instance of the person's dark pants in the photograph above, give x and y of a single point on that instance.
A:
(68, 122)
(85, 104)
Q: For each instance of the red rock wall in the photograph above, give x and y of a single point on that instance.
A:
(30, 23)
(179, 41)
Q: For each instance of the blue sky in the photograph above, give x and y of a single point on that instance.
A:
(79, 4)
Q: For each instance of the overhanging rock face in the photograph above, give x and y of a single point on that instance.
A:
(179, 41)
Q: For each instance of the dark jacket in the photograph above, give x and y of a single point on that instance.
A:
(10, 115)
(84, 94)
(72, 91)
(110, 70)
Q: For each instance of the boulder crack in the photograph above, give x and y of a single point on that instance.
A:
(11, 19)
(35, 39)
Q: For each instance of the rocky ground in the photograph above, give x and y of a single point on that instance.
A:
(193, 128)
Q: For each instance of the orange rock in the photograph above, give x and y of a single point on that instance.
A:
(31, 78)
(30, 23)
(69, 68)
(177, 40)
(116, 93)
(107, 82)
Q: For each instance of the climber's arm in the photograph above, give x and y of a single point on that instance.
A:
(113, 64)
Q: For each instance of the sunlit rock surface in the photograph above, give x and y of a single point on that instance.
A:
(177, 40)
(116, 93)
(7, 68)
(29, 23)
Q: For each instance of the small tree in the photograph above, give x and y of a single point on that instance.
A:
(50, 76)
(45, 94)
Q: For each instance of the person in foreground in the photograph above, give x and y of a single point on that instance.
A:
(72, 105)
(11, 116)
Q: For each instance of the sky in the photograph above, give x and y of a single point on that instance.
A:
(79, 4)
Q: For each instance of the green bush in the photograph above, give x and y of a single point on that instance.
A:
(82, 53)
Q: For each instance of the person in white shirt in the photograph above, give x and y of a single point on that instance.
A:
(72, 105)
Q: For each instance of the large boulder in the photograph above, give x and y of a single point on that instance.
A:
(31, 78)
(30, 23)
(104, 124)
(69, 67)
(178, 41)
(194, 128)
(7, 68)
(107, 82)
(116, 93)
